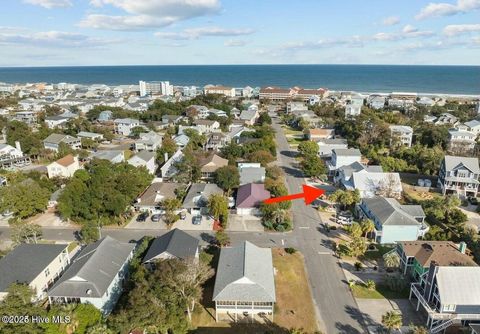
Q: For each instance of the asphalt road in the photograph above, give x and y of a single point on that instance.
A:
(335, 306)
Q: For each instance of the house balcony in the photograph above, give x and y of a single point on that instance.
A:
(432, 310)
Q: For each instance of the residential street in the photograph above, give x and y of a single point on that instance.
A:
(336, 308)
(338, 311)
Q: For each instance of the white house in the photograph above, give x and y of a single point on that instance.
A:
(10, 152)
(354, 106)
(37, 265)
(222, 90)
(144, 159)
(64, 167)
(53, 142)
(343, 157)
(206, 125)
(168, 169)
(402, 134)
(473, 126)
(462, 139)
(95, 276)
(148, 141)
(55, 121)
(124, 126)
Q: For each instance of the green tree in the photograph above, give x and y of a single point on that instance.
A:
(89, 232)
(170, 205)
(136, 131)
(227, 178)
(368, 226)
(392, 320)
(218, 208)
(355, 230)
(308, 148)
(345, 198)
(168, 146)
(276, 217)
(24, 199)
(391, 260)
(18, 303)
(222, 239)
(261, 156)
(313, 166)
(264, 118)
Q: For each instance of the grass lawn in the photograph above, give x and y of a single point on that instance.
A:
(376, 254)
(381, 291)
(291, 131)
(294, 307)
(419, 196)
(72, 246)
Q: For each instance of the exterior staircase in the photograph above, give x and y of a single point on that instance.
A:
(442, 326)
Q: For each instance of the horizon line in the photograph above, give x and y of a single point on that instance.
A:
(252, 64)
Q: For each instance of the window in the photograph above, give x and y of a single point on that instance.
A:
(47, 272)
(449, 307)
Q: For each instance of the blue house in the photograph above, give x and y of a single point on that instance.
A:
(393, 221)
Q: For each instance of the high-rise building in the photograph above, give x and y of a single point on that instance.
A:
(155, 87)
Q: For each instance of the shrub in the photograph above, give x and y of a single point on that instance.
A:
(290, 250)
(358, 266)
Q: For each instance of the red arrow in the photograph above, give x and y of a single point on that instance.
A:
(309, 194)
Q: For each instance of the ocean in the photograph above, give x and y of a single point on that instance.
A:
(361, 78)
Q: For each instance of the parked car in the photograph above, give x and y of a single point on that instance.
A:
(156, 218)
(197, 220)
(345, 218)
(142, 217)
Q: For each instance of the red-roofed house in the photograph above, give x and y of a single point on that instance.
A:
(249, 197)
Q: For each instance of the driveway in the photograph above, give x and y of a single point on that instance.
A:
(205, 225)
(472, 215)
(244, 223)
(373, 309)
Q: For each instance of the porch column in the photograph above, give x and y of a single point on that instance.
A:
(236, 311)
(216, 316)
(418, 304)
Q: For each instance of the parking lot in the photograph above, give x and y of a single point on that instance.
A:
(206, 224)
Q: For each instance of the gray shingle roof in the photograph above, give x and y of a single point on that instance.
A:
(452, 162)
(347, 152)
(93, 270)
(145, 155)
(245, 273)
(389, 212)
(176, 243)
(26, 262)
(199, 193)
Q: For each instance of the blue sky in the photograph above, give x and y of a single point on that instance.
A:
(122, 32)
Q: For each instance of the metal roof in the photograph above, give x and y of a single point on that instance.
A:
(459, 285)
(245, 273)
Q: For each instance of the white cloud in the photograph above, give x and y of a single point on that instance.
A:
(408, 31)
(436, 9)
(391, 21)
(234, 43)
(50, 3)
(196, 33)
(457, 29)
(147, 14)
(53, 39)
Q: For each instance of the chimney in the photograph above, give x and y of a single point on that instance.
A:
(462, 247)
(18, 146)
(432, 272)
(165, 156)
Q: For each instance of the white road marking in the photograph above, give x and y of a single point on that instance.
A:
(325, 253)
(305, 227)
(283, 242)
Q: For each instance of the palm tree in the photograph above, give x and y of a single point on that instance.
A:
(368, 226)
(370, 284)
(392, 320)
(391, 260)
